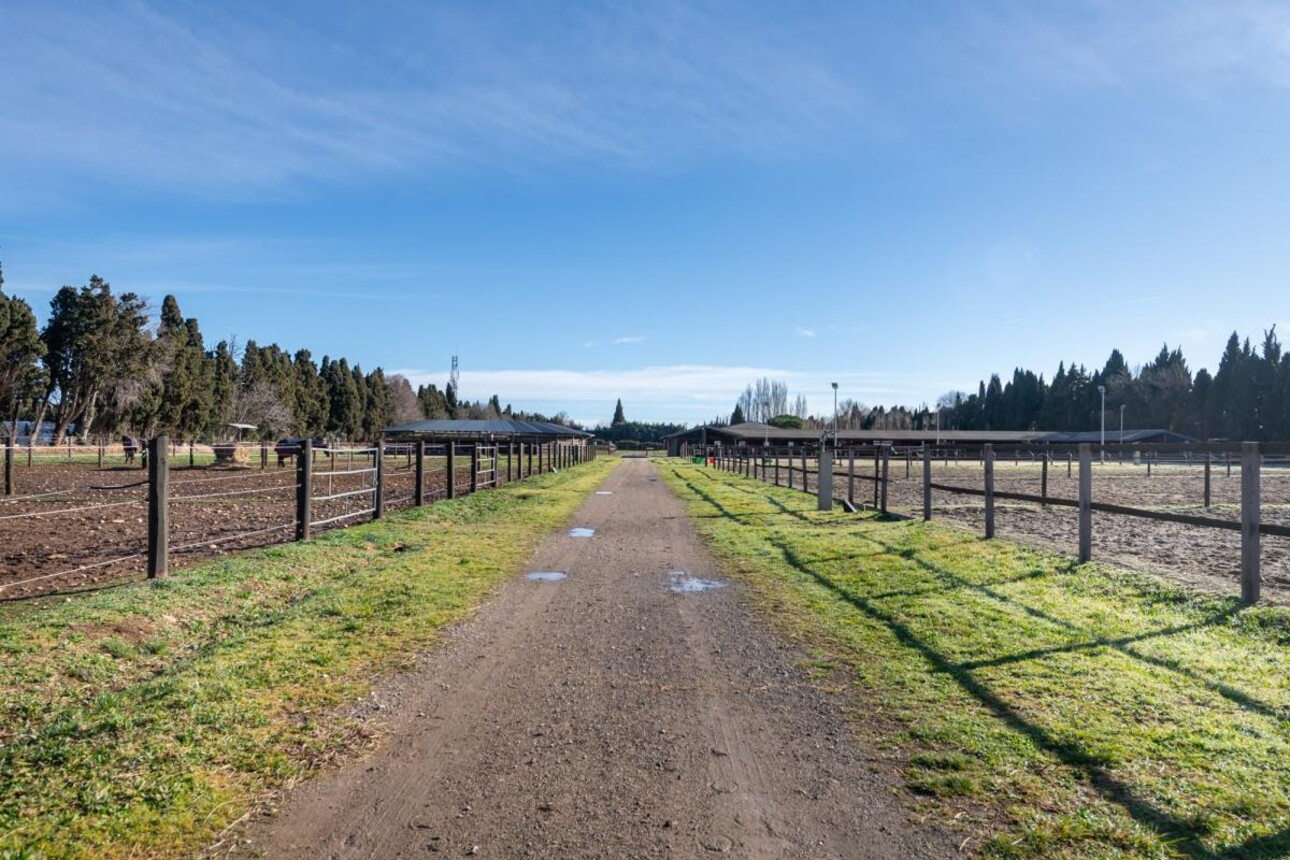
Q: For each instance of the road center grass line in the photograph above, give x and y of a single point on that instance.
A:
(1049, 709)
(142, 720)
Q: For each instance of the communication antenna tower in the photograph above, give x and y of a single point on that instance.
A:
(455, 376)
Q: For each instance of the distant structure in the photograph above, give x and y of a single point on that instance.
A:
(455, 375)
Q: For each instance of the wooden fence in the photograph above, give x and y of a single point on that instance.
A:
(792, 467)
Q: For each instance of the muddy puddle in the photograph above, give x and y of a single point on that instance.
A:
(582, 532)
(683, 583)
(546, 575)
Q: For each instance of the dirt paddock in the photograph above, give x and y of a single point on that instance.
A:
(71, 525)
(1207, 558)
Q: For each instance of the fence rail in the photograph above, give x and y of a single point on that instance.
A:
(172, 512)
(795, 467)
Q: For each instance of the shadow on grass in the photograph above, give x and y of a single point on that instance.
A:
(1182, 836)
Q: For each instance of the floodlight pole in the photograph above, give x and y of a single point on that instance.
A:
(835, 415)
(1101, 389)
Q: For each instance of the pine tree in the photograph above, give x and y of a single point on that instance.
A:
(737, 417)
(619, 417)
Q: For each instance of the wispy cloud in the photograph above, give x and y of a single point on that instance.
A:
(637, 338)
(205, 99)
(804, 332)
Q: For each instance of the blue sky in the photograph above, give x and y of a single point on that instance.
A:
(662, 201)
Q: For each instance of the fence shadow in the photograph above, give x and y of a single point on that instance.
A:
(1183, 837)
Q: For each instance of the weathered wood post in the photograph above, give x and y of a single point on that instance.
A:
(851, 476)
(824, 488)
(1209, 459)
(909, 459)
(875, 477)
(100, 457)
(1085, 502)
(474, 467)
(777, 467)
(1068, 464)
(528, 472)
(8, 470)
(510, 457)
(496, 463)
(192, 454)
(378, 485)
(158, 507)
(304, 489)
(987, 459)
(1043, 480)
(886, 474)
(450, 452)
(1250, 516)
(927, 483)
(805, 487)
(419, 492)
(264, 456)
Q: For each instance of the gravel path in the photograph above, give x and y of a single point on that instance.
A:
(608, 715)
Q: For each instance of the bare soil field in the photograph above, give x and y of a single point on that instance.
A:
(71, 526)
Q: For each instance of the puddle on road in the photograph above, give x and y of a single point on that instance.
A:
(546, 575)
(604, 492)
(683, 583)
(582, 532)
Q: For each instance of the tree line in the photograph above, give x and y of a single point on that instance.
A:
(1246, 398)
(99, 365)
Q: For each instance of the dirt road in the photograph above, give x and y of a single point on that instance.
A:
(613, 713)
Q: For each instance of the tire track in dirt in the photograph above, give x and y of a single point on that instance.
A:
(606, 715)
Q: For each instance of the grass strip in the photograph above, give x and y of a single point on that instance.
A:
(141, 721)
(1048, 709)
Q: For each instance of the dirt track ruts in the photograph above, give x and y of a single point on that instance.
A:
(606, 716)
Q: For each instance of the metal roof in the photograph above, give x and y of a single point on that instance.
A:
(755, 432)
(492, 427)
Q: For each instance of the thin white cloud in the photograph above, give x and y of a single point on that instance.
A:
(243, 103)
(804, 332)
(637, 338)
(685, 392)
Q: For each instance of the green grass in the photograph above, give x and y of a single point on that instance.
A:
(142, 720)
(1045, 708)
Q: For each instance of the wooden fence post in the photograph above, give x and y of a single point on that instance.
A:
(510, 457)
(264, 456)
(851, 476)
(1209, 458)
(927, 483)
(8, 470)
(824, 484)
(378, 487)
(886, 474)
(987, 459)
(1085, 502)
(419, 492)
(1250, 516)
(805, 488)
(451, 456)
(474, 467)
(304, 489)
(777, 467)
(158, 507)
(100, 457)
(496, 463)
(1043, 480)
(875, 477)
(528, 473)
(192, 453)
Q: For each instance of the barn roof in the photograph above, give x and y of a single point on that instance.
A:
(492, 427)
(755, 432)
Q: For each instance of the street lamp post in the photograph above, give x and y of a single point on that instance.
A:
(835, 415)
(1101, 389)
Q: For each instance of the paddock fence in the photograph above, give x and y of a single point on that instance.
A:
(1191, 495)
(87, 516)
